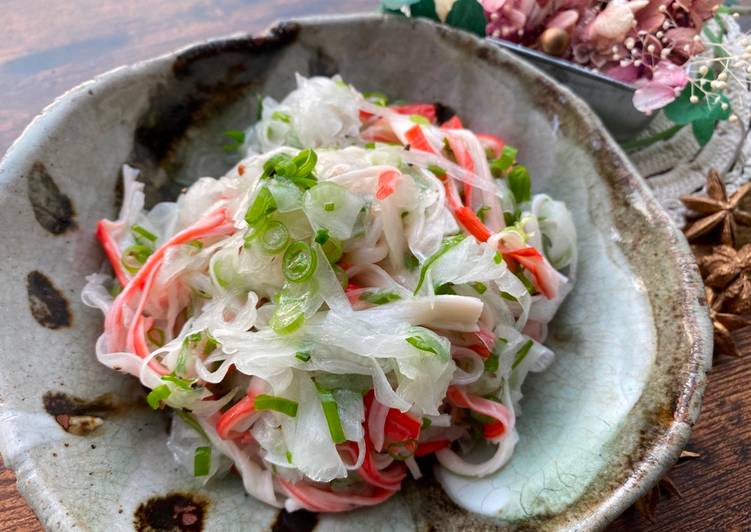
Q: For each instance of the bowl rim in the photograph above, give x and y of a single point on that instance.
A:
(660, 454)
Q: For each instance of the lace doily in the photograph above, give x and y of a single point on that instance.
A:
(679, 166)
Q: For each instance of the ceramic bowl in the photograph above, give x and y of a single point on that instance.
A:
(597, 429)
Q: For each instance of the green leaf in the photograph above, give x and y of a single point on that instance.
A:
(379, 297)
(703, 130)
(202, 461)
(682, 111)
(424, 8)
(467, 15)
(520, 183)
(157, 395)
(522, 353)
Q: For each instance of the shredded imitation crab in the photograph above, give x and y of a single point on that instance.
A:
(366, 286)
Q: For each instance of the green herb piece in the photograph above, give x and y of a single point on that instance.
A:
(419, 119)
(329, 206)
(480, 288)
(333, 250)
(157, 395)
(370, 145)
(426, 423)
(184, 384)
(425, 340)
(288, 455)
(237, 137)
(448, 244)
(195, 244)
(520, 183)
(305, 161)
(504, 162)
(275, 163)
(445, 289)
(116, 289)
(331, 412)
(379, 297)
(491, 363)
(377, 98)
(143, 232)
(274, 238)
(259, 107)
(281, 116)
(411, 262)
(277, 404)
(497, 258)
(481, 212)
(261, 207)
(322, 236)
(191, 421)
(300, 262)
(135, 256)
(522, 353)
(526, 282)
(302, 355)
(508, 297)
(437, 170)
(202, 461)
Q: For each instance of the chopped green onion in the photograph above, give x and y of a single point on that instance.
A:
(191, 421)
(277, 404)
(261, 207)
(377, 98)
(116, 289)
(145, 233)
(236, 135)
(329, 206)
(281, 116)
(481, 212)
(275, 237)
(526, 282)
(288, 455)
(522, 353)
(480, 288)
(196, 244)
(426, 340)
(306, 162)
(509, 218)
(157, 395)
(520, 183)
(504, 162)
(135, 256)
(156, 336)
(508, 297)
(491, 363)
(211, 344)
(333, 250)
(426, 423)
(380, 297)
(331, 412)
(419, 119)
(287, 324)
(446, 246)
(370, 145)
(300, 262)
(302, 355)
(497, 258)
(437, 170)
(410, 261)
(322, 236)
(445, 289)
(272, 164)
(202, 462)
(185, 384)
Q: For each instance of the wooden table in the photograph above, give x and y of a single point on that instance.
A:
(48, 47)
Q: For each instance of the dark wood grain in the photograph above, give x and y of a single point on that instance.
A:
(49, 47)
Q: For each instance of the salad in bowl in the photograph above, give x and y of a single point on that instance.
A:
(369, 285)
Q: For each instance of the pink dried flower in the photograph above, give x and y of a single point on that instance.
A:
(668, 80)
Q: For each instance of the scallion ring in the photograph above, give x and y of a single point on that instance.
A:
(300, 262)
(274, 237)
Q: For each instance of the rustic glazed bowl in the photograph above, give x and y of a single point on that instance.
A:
(598, 428)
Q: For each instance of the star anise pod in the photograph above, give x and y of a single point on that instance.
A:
(647, 505)
(723, 324)
(718, 210)
(729, 271)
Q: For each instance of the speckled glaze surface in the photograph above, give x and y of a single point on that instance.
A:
(597, 429)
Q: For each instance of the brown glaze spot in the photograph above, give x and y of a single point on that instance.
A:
(52, 209)
(175, 512)
(299, 521)
(47, 304)
(207, 79)
(80, 416)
